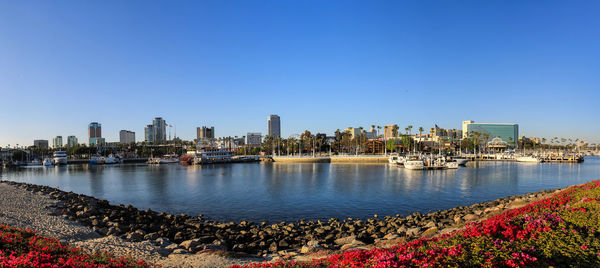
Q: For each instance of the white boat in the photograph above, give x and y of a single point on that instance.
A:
(59, 158)
(47, 162)
(153, 160)
(166, 159)
(414, 164)
(98, 160)
(112, 160)
(452, 165)
(208, 156)
(393, 158)
(529, 159)
(461, 161)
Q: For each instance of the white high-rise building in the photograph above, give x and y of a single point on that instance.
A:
(72, 141)
(126, 136)
(57, 142)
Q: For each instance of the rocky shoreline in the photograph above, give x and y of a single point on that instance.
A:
(181, 234)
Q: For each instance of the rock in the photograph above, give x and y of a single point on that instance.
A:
(391, 236)
(413, 231)
(273, 247)
(136, 237)
(312, 243)
(112, 231)
(188, 244)
(283, 244)
(470, 217)
(430, 232)
(151, 236)
(163, 242)
(430, 224)
(352, 245)
(345, 240)
(179, 251)
(172, 246)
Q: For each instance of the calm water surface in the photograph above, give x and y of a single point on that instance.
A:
(273, 192)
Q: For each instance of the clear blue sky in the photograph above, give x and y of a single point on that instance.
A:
(320, 65)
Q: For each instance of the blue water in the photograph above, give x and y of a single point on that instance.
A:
(274, 192)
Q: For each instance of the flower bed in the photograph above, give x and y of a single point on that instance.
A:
(24, 248)
(562, 230)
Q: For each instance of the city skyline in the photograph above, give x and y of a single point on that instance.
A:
(351, 64)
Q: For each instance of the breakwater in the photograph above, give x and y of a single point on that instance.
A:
(191, 234)
(329, 159)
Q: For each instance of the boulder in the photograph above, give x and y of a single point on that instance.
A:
(470, 217)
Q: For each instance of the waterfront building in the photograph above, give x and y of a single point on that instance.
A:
(507, 132)
(205, 132)
(438, 134)
(149, 133)
(254, 139)
(159, 128)
(57, 142)
(126, 136)
(97, 141)
(372, 133)
(94, 133)
(72, 141)
(274, 126)
(390, 131)
(42, 144)
(353, 131)
(157, 131)
(227, 143)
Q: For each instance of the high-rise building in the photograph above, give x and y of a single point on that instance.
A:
(254, 139)
(95, 133)
(42, 144)
(157, 132)
(159, 128)
(72, 141)
(126, 136)
(507, 132)
(149, 133)
(57, 142)
(274, 126)
(390, 131)
(205, 133)
(353, 131)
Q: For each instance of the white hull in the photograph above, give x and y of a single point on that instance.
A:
(168, 161)
(47, 162)
(529, 159)
(452, 165)
(60, 160)
(461, 161)
(111, 160)
(414, 164)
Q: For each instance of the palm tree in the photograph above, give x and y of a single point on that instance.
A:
(420, 134)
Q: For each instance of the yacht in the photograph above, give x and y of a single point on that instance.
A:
(529, 159)
(47, 162)
(414, 164)
(461, 161)
(112, 159)
(60, 158)
(452, 165)
(168, 159)
(208, 156)
(98, 160)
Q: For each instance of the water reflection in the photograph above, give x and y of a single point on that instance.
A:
(276, 191)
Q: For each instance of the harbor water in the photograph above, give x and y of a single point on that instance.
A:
(288, 192)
